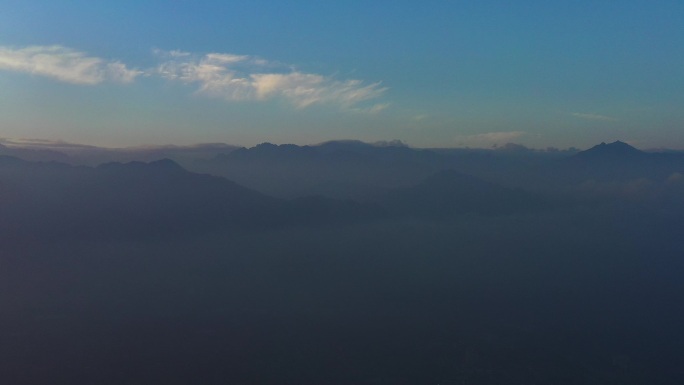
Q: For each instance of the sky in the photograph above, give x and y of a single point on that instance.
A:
(430, 73)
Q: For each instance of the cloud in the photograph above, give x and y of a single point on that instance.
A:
(65, 64)
(41, 143)
(597, 117)
(377, 108)
(488, 139)
(241, 77)
(220, 75)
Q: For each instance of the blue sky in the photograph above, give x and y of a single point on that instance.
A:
(430, 73)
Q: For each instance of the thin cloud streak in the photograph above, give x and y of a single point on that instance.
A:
(246, 78)
(596, 117)
(65, 64)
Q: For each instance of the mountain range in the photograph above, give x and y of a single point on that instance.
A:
(336, 182)
(417, 266)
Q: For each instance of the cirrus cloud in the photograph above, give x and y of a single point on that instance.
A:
(65, 64)
(219, 75)
(596, 117)
(246, 78)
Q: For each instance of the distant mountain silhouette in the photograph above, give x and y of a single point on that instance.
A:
(449, 193)
(133, 199)
(616, 151)
(268, 151)
(40, 155)
(329, 152)
(620, 161)
(339, 169)
(277, 185)
(79, 154)
(140, 199)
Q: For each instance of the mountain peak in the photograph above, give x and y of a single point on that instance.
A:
(615, 150)
(615, 146)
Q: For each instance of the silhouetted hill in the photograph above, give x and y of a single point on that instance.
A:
(619, 161)
(344, 169)
(138, 199)
(341, 169)
(614, 152)
(37, 155)
(133, 199)
(79, 154)
(265, 152)
(329, 153)
(449, 193)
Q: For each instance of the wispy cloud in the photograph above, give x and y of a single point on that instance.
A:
(378, 107)
(65, 64)
(488, 139)
(240, 77)
(220, 75)
(597, 117)
(41, 144)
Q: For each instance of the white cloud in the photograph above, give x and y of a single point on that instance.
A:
(220, 75)
(597, 117)
(240, 77)
(65, 64)
(226, 58)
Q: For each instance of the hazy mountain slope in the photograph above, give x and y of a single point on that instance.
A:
(620, 161)
(127, 199)
(448, 194)
(88, 155)
(145, 199)
(345, 169)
